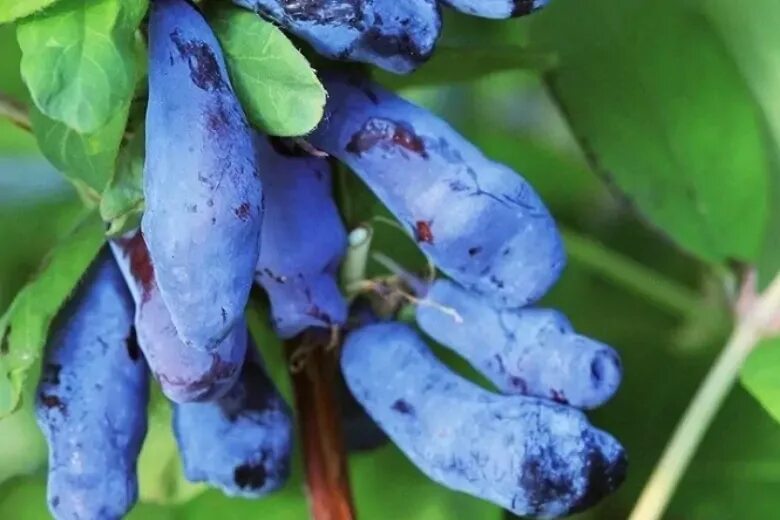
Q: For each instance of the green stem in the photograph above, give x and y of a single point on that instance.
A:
(15, 112)
(705, 404)
(630, 274)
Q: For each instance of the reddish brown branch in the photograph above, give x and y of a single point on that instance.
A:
(319, 422)
(15, 112)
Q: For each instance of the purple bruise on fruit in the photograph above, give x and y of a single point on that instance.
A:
(522, 351)
(241, 442)
(184, 373)
(303, 241)
(496, 8)
(91, 400)
(396, 35)
(201, 182)
(530, 456)
(478, 220)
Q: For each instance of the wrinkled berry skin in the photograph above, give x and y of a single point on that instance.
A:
(396, 35)
(530, 456)
(185, 374)
(496, 8)
(527, 351)
(241, 442)
(203, 192)
(91, 400)
(302, 245)
(479, 221)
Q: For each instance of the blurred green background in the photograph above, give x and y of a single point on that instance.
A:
(651, 139)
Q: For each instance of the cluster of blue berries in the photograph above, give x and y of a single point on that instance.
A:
(227, 207)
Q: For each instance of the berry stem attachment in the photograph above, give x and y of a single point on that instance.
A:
(319, 422)
(15, 112)
(751, 327)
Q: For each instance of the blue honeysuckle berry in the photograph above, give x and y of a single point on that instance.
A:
(203, 192)
(478, 220)
(91, 400)
(530, 456)
(522, 351)
(496, 8)
(303, 241)
(241, 442)
(396, 35)
(184, 373)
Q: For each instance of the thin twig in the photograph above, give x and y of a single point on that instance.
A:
(750, 329)
(15, 112)
(319, 421)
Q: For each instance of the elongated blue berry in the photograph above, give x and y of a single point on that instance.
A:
(184, 373)
(91, 400)
(397, 35)
(202, 188)
(496, 8)
(241, 442)
(531, 456)
(527, 351)
(479, 221)
(303, 242)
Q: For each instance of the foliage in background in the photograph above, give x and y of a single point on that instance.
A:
(650, 128)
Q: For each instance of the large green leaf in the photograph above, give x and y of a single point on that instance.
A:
(760, 375)
(11, 10)
(750, 36)
(453, 63)
(25, 325)
(86, 158)
(661, 110)
(78, 59)
(276, 85)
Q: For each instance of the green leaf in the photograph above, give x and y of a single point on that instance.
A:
(160, 470)
(123, 201)
(454, 64)
(276, 85)
(25, 325)
(760, 375)
(88, 158)
(750, 37)
(11, 10)
(666, 115)
(79, 61)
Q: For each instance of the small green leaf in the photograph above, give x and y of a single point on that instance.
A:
(160, 470)
(123, 201)
(760, 375)
(25, 325)
(276, 85)
(453, 64)
(666, 115)
(11, 10)
(89, 158)
(79, 59)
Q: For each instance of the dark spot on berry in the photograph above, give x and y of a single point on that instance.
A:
(473, 251)
(522, 7)
(243, 211)
(51, 374)
(602, 477)
(519, 383)
(52, 401)
(393, 134)
(223, 312)
(204, 67)
(558, 396)
(140, 263)
(250, 476)
(217, 120)
(55, 501)
(131, 343)
(403, 407)
(423, 232)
